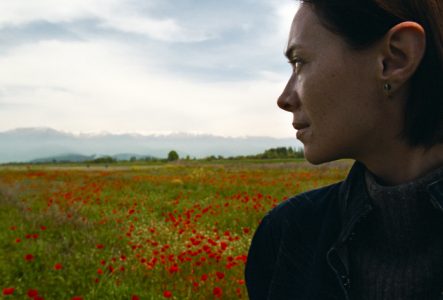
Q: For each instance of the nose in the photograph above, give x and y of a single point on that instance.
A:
(288, 98)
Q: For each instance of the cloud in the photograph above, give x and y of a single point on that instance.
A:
(113, 14)
(146, 66)
(285, 11)
(20, 12)
(164, 30)
(89, 87)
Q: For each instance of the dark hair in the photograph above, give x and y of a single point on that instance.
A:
(363, 22)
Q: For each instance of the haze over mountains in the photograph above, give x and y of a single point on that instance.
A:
(27, 144)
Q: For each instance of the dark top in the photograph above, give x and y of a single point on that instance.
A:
(302, 248)
(397, 253)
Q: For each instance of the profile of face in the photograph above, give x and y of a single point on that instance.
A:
(333, 92)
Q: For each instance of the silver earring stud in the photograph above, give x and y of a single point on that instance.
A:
(387, 87)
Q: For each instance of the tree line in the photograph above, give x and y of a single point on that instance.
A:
(273, 153)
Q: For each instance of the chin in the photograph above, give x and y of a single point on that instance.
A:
(317, 157)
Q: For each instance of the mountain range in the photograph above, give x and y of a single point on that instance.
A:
(31, 144)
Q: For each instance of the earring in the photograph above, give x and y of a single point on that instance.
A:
(387, 87)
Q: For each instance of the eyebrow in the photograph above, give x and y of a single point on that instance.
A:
(292, 48)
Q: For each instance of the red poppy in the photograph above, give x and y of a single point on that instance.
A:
(29, 257)
(17, 240)
(100, 246)
(220, 275)
(173, 269)
(230, 265)
(217, 292)
(135, 297)
(76, 298)
(224, 245)
(8, 291)
(58, 266)
(242, 258)
(43, 227)
(167, 294)
(204, 277)
(32, 293)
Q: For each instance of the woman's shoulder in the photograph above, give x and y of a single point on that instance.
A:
(292, 226)
(299, 219)
(310, 208)
(305, 205)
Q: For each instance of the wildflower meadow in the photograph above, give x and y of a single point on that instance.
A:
(139, 231)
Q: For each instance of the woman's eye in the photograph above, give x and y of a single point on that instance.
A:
(296, 64)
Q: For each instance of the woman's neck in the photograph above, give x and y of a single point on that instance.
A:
(400, 163)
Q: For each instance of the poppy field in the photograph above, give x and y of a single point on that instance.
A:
(167, 231)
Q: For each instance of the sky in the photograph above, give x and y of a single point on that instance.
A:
(145, 66)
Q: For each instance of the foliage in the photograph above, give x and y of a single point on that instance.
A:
(103, 160)
(282, 152)
(173, 155)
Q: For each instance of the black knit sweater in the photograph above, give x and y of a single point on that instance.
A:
(397, 252)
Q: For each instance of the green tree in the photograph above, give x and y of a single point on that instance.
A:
(104, 159)
(173, 155)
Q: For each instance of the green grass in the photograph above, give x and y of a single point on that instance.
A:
(163, 227)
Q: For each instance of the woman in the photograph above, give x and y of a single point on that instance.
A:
(367, 84)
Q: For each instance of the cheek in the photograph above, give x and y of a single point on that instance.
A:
(322, 97)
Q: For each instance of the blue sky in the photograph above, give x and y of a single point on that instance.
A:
(152, 66)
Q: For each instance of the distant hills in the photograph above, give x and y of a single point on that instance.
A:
(45, 144)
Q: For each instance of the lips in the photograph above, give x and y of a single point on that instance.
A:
(299, 126)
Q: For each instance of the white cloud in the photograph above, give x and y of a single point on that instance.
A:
(116, 14)
(163, 30)
(273, 44)
(104, 83)
(20, 12)
(94, 86)
(285, 12)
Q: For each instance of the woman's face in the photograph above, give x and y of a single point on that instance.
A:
(333, 92)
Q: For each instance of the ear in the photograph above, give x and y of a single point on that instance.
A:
(403, 48)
